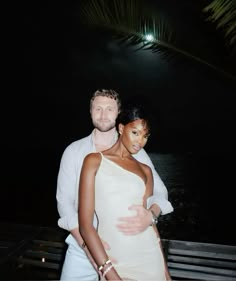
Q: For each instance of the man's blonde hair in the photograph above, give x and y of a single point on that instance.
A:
(106, 93)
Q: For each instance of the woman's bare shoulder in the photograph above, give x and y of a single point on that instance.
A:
(93, 158)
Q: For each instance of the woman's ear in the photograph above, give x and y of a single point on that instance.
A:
(120, 128)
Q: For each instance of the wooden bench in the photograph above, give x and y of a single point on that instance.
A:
(200, 261)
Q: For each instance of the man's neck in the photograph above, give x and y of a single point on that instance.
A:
(104, 140)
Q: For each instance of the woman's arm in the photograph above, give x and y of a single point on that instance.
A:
(86, 214)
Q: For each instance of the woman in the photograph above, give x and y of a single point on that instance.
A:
(110, 182)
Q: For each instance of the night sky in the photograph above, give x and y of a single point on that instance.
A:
(60, 63)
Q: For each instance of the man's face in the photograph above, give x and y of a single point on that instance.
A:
(104, 112)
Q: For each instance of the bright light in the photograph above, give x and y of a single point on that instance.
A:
(149, 37)
(43, 259)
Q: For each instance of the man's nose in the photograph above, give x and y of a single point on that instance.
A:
(102, 114)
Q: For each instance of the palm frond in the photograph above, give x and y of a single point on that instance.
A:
(223, 14)
(130, 21)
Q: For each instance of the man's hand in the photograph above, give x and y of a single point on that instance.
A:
(90, 257)
(107, 248)
(135, 224)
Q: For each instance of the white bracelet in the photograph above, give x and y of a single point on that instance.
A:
(102, 266)
(108, 269)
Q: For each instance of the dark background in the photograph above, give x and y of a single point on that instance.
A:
(54, 66)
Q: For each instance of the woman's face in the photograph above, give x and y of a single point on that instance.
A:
(134, 135)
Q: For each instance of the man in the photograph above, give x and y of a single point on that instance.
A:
(104, 109)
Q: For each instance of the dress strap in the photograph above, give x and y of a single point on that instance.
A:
(102, 156)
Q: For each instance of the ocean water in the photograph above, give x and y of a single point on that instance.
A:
(201, 190)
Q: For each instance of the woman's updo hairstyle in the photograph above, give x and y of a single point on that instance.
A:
(132, 113)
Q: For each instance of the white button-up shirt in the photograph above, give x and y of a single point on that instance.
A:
(69, 175)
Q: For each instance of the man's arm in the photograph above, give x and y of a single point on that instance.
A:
(67, 191)
(67, 195)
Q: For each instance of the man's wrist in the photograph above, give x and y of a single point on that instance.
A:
(154, 218)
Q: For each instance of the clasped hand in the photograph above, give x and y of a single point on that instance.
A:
(135, 224)
(132, 225)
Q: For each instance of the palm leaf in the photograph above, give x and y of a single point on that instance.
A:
(223, 14)
(130, 21)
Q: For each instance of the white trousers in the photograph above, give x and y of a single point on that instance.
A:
(76, 266)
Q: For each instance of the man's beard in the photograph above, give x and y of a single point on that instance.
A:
(104, 127)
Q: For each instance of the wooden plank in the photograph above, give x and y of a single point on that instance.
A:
(191, 275)
(50, 265)
(49, 243)
(55, 251)
(203, 269)
(194, 253)
(198, 261)
(14, 251)
(42, 254)
(203, 247)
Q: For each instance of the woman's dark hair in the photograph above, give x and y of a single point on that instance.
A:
(132, 113)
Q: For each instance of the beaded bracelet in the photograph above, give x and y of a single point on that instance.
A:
(105, 263)
(108, 269)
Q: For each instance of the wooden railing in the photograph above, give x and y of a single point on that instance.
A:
(200, 261)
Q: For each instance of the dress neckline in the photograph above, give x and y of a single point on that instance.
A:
(117, 165)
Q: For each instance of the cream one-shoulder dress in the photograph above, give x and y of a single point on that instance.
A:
(139, 257)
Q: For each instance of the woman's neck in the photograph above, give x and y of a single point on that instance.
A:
(118, 150)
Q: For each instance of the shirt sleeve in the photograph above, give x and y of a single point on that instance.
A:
(66, 191)
(160, 193)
